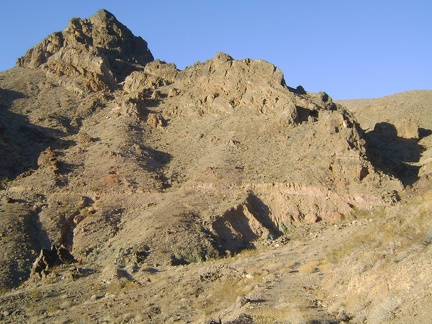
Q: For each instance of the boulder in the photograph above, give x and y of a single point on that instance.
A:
(47, 159)
(49, 258)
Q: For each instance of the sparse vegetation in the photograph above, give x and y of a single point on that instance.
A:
(4, 183)
(3, 290)
(394, 230)
(275, 316)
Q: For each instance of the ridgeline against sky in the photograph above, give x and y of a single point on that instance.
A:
(348, 49)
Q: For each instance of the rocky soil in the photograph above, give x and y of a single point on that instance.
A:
(215, 194)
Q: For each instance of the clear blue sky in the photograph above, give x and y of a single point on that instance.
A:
(348, 48)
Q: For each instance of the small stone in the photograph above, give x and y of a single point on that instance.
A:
(110, 296)
(83, 137)
(127, 317)
(242, 301)
(139, 318)
(10, 200)
(65, 304)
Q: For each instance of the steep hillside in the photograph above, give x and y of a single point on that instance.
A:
(144, 172)
(398, 128)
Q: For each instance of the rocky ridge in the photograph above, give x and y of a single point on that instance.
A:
(122, 158)
(99, 51)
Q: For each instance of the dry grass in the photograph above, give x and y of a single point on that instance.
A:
(275, 316)
(393, 230)
(3, 290)
(309, 267)
(371, 278)
(4, 183)
(313, 266)
(222, 294)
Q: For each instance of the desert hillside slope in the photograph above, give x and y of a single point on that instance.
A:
(408, 115)
(216, 191)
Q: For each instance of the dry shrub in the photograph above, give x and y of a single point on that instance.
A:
(310, 267)
(3, 290)
(363, 281)
(393, 230)
(313, 266)
(276, 316)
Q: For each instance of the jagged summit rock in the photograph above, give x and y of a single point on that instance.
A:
(100, 51)
(137, 167)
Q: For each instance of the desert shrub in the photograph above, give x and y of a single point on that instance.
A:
(3, 290)
(4, 183)
(274, 316)
(401, 228)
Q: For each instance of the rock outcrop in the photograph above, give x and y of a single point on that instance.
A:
(100, 51)
(49, 258)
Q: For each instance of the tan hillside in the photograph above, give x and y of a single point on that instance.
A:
(211, 194)
(401, 123)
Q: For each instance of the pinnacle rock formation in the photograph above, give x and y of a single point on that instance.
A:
(101, 51)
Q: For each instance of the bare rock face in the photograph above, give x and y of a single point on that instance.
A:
(18, 237)
(100, 50)
(223, 85)
(248, 158)
(49, 258)
(47, 159)
(407, 129)
(399, 129)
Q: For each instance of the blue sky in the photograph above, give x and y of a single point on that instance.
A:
(348, 48)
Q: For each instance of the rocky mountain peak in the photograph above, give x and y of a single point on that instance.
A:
(104, 16)
(100, 50)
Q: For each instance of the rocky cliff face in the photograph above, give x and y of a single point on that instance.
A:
(113, 153)
(100, 51)
(398, 132)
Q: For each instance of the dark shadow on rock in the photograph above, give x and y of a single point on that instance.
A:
(25, 239)
(121, 273)
(151, 103)
(257, 301)
(20, 141)
(151, 270)
(392, 154)
(262, 214)
(38, 236)
(234, 231)
(49, 258)
(175, 261)
(157, 160)
(423, 132)
(7, 97)
(154, 161)
(305, 115)
(299, 90)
